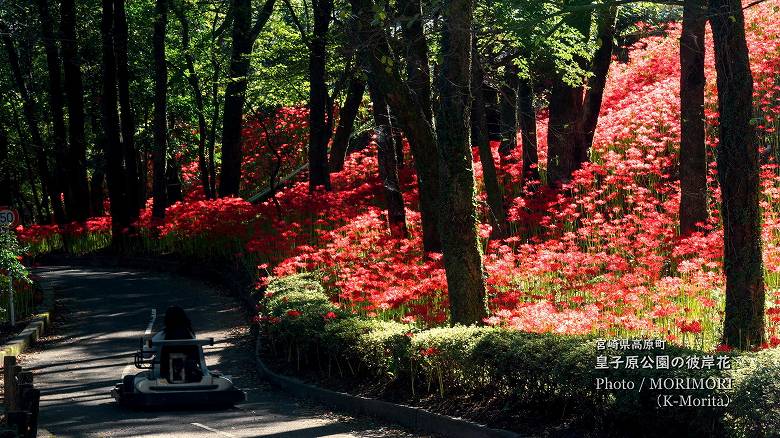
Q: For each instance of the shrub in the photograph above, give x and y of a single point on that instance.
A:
(381, 348)
(552, 376)
(755, 406)
(296, 310)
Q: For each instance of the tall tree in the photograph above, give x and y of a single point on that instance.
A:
(388, 166)
(39, 202)
(492, 111)
(496, 212)
(244, 35)
(508, 110)
(418, 76)
(693, 152)
(320, 125)
(458, 218)
(197, 93)
(527, 119)
(565, 109)
(115, 171)
(345, 126)
(74, 93)
(56, 104)
(29, 109)
(599, 68)
(422, 138)
(738, 174)
(173, 179)
(418, 71)
(217, 38)
(96, 194)
(132, 161)
(160, 124)
(5, 169)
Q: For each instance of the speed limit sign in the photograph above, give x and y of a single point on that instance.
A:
(8, 217)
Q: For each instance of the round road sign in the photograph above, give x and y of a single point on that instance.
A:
(9, 217)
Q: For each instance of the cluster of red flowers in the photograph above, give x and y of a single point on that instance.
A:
(274, 145)
(604, 253)
(599, 255)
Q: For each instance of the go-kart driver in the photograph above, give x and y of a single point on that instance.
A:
(178, 326)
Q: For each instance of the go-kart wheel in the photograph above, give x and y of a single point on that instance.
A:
(128, 383)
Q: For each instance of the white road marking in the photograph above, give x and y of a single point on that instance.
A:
(151, 323)
(211, 429)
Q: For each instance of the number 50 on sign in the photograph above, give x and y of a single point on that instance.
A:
(8, 217)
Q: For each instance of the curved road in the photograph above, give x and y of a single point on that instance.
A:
(100, 315)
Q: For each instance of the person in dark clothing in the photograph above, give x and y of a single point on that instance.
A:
(179, 363)
(177, 324)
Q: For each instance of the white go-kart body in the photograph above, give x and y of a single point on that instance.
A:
(175, 375)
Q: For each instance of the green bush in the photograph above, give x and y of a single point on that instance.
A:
(551, 376)
(755, 406)
(10, 256)
(296, 309)
(380, 348)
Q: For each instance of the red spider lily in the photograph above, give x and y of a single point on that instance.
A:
(598, 255)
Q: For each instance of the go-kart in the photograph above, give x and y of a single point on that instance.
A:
(175, 376)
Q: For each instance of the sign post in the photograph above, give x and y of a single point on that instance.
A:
(9, 218)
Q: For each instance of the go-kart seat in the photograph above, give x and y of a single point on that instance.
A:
(180, 364)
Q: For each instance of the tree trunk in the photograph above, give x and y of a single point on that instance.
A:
(492, 112)
(605, 35)
(388, 167)
(160, 151)
(56, 106)
(564, 116)
(214, 120)
(398, 140)
(508, 110)
(135, 192)
(194, 80)
(115, 172)
(495, 199)
(96, 194)
(235, 95)
(418, 71)
(458, 217)
(48, 185)
(74, 93)
(420, 133)
(173, 181)
(340, 146)
(319, 130)
(693, 152)
(565, 109)
(244, 36)
(41, 213)
(527, 116)
(738, 174)
(5, 170)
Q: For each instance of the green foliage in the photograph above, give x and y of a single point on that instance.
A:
(382, 347)
(10, 256)
(550, 376)
(755, 408)
(297, 308)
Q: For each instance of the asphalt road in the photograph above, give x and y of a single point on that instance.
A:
(101, 313)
